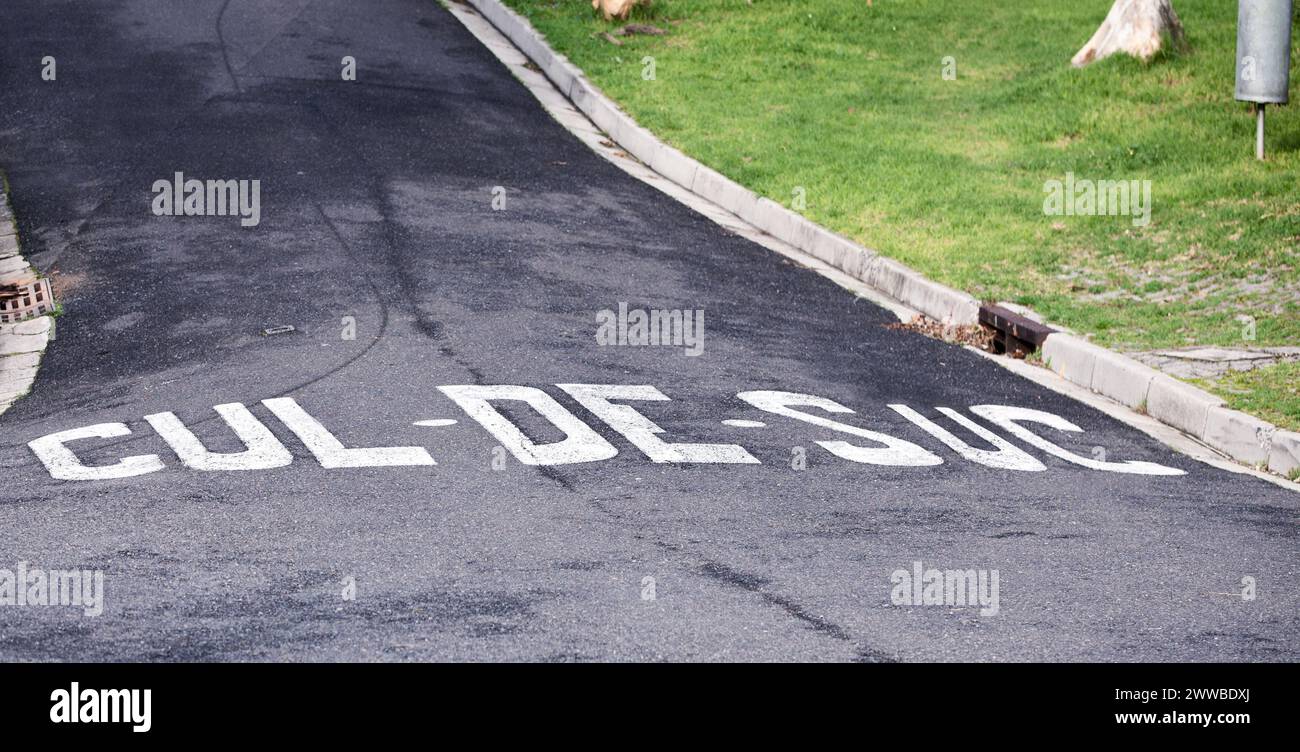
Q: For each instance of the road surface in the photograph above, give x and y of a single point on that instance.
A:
(427, 225)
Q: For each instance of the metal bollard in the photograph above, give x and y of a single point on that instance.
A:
(1263, 57)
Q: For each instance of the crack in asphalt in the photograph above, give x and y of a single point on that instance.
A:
(225, 52)
(759, 585)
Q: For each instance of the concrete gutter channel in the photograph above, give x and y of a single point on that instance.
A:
(22, 342)
(1195, 412)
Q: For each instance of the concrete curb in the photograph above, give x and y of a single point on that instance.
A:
(1192, 411)
(889, 277)
(22, 343)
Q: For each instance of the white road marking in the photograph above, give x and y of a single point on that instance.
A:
(62, 464)
(897, 452)
(1161, 432)
(1006, 457)
(1006, 417)
(330, 452)
(641, 431)
(581, 443)
(263, 453)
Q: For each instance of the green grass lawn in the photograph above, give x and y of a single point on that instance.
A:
(1271, 393)
(848, 103)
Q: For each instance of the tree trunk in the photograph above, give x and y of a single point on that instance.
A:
(1136, 27)
(614, 8)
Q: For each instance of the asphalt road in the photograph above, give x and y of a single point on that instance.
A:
(376, 203)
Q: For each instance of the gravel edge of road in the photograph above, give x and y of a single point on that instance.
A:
(597, 120)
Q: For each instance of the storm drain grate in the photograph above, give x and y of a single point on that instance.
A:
(24, 301)
(1013, 334)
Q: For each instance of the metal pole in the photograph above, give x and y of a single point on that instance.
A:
(1259, 131)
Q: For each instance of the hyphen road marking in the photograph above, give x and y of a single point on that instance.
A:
(641, 431)
(895, 451)
(581, 442)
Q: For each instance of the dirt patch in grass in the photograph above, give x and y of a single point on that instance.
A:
(1271, 393)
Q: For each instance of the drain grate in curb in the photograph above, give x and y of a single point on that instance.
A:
(1013, 334)
(22, 301)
